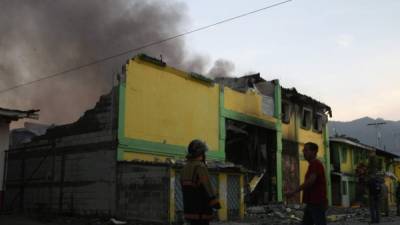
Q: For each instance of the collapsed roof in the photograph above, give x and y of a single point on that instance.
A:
(255, 81)
(292, 95)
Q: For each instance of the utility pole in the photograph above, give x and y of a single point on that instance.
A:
(396, 140)
(378, 134)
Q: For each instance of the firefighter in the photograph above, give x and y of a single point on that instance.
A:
(199, 198)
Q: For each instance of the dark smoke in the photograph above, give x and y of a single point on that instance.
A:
(42, 37)
(222, 68)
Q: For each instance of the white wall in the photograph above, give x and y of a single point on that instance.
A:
(4, 140)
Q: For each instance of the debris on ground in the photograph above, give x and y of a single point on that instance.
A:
(117, 222)
(275, 214)
(281, 214)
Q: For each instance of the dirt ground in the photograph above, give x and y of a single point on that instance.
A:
(18, 219)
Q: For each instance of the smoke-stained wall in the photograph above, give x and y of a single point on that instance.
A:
(4, 139)
(70, 169)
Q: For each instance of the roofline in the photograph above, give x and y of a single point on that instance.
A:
(384, 152)
(361, 145)
(346, 141)
(306, 99)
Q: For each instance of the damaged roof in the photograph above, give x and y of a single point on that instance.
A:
(14, 114)
(255, 81)
(242, 84)
(293, 95)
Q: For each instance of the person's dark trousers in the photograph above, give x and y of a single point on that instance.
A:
(314, 214)
(199, 222)
(385, 206)
(374, 208)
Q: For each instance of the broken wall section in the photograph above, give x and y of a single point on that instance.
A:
(251, 144)
(143, 191)
(69, 169)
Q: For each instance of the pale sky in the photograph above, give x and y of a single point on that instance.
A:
(345, 53)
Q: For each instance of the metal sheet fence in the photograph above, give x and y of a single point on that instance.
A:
(233, 196)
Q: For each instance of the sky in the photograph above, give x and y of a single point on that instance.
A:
(343, 53)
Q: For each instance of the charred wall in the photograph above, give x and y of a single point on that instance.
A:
(290, 170)
(254, 148)
(69, 169)
(143, 192)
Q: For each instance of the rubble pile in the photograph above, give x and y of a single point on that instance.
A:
(337, 214)
(278, 214)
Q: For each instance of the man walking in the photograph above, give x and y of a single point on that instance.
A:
(374, 197)
(385, 199)
(398, 198)
(199, 198)
(314, 188)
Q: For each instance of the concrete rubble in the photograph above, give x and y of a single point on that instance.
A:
(281, 214)
(275, 214)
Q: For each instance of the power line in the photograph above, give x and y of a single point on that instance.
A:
(141, 47)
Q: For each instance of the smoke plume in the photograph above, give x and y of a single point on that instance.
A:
(222, 68)
(43, 37)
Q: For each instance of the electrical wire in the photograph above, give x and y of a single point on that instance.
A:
(141, 47)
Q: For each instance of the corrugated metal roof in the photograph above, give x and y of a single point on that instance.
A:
(347, 141)
(378, 151)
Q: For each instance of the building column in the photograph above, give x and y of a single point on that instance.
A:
(223, 197)
(327, 159)
(277, 115)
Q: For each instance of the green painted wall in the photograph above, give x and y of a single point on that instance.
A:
(278, 116)
(327, 163)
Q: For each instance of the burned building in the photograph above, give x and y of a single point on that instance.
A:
(69, 168)
(301, 119)
(124, 156)
(304, 119)
(6, 117)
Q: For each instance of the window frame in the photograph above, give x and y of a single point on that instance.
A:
(286, 119)
(343, 155)
(308, 120)
(321, 120)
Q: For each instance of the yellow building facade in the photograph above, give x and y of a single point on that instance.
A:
(161, 109)
(303, 120)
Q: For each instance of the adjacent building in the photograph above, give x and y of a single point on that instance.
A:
(352, 163)
(6, 117)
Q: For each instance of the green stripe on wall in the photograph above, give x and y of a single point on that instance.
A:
(277, 114)
(222, 128)
(248, 119)
(327, 163)
(158, 148)
(121, 117)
